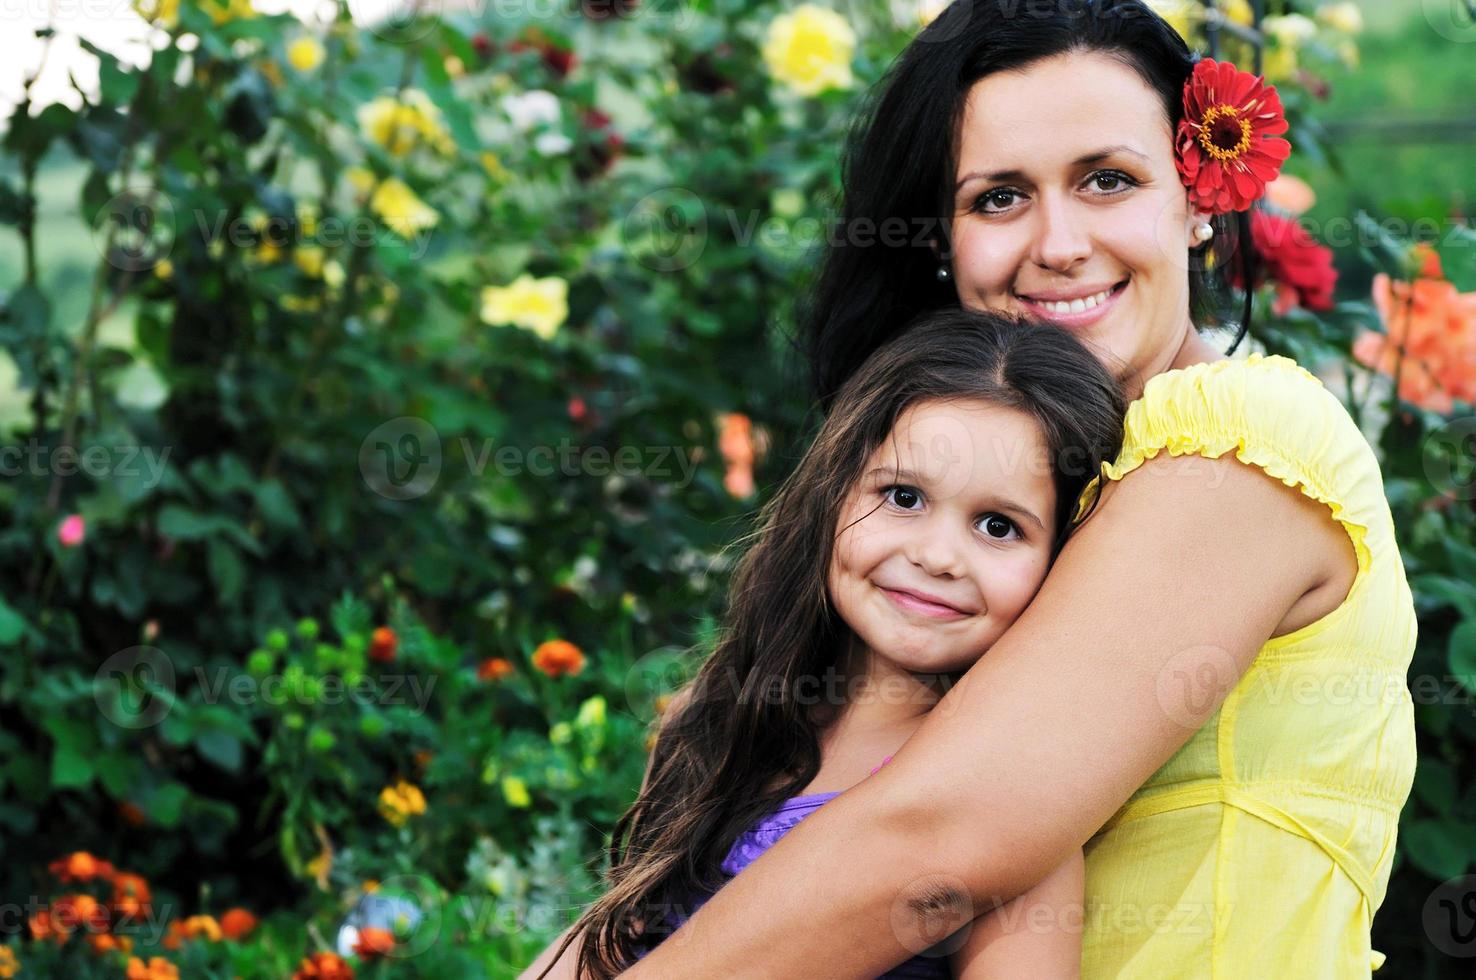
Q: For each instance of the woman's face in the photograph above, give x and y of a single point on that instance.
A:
(957, 505)
(1069, 206)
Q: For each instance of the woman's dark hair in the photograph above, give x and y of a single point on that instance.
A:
(899, 165)
(743, 735)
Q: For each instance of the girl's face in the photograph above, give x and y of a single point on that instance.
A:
(947, 535)
(1069, 206)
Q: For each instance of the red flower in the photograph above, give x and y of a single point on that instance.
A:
(1227, 149)
(237, 923)
(1302, 269)
(323, 966)
(383, 644)
(558, 60)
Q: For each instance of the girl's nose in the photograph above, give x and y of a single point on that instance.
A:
(935, 550)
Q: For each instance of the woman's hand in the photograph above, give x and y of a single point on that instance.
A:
(1154, 610)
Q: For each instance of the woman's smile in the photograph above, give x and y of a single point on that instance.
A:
(1079, 306)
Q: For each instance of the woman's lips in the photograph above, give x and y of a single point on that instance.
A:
(923, 607)
(1082, 318)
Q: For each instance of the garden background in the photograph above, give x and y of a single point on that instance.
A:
(380, 390)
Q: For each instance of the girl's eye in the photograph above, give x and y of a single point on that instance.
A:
(904, 497)
(996, 522)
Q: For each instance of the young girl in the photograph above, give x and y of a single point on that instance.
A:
(916, 528)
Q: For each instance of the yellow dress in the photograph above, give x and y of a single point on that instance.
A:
(1263, 847)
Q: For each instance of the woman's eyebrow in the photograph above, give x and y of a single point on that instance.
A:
(1095, 157)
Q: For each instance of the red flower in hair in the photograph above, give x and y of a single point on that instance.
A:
(1302, 269)
(1227, 149)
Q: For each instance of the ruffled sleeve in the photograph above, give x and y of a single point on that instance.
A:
(1273, 414)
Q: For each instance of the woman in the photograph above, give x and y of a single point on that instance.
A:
(1208, 692)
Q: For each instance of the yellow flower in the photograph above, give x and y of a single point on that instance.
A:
(399, 125)
(9, 965)
(492, 163)
(592, 713)
(164, 269)
(362, 179)
(540, 305)
(810, 49)
(400, 802)
(401, 209)
(1238, 12)
(562, 733)
(515, 791)
(333, 274)
(1289, 32)
(309, 258)
(1176, 12)
(224, 11)
(455, 67)
(305, 53)
(1344, 17)
(165, 13)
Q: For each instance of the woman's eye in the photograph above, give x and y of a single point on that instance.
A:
(994, 522)
(905, 497)
(1002, 197)
(1118, 181)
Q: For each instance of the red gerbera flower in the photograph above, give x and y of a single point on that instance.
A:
(1227, 148)
(1301, 268)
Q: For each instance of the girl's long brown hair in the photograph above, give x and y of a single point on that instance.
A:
(743, 742)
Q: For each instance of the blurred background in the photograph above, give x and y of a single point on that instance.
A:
(383, 386)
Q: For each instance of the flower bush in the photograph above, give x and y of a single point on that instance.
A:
(432, 368)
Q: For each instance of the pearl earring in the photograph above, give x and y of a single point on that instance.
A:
(1203, 232)
(943, 273)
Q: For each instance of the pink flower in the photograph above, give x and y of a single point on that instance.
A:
(72, 531)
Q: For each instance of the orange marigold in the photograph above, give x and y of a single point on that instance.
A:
(79, 866)
(557, 658)
(323, 966)
(106, 942)
(158, 968)
(494, 669)
(131, 895)
(383, 645)
(72, 912)
(43, 928)
(9, 965)
(237, 923)
(373, 943)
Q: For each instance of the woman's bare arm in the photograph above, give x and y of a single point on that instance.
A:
(1153, 611)
(1037, 935)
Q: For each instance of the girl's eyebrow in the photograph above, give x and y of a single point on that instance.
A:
(1003, 503)
(1090, 158)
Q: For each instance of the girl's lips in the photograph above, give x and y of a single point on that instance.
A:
(1083, 319)
(923, 607)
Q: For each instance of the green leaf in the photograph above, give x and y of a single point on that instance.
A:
(1461, 653)
(1443, 591)
(226, 570)
(12, 625)
(276, 505)
(1440, 848)
(69, 769)
(1435, 785)
(220, 748)
(167, 803)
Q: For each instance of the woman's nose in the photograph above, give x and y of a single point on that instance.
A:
(1061, 240)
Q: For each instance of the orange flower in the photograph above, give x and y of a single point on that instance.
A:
(373, 943)
(44, 928)
(105, 942)
(323, 966)
(494, 669)
(175, 937)
(236, 923)
(131, 895)
(203, 926)
(9, 965)
(557, 658)
(735, 442)
(1433, 326)
(71, 912)
(383, 644)
(80, 866)
(158, 968)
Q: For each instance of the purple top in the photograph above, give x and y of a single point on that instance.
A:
(764, 835)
